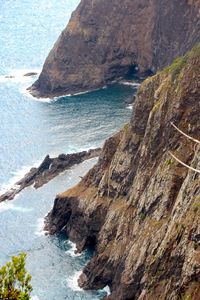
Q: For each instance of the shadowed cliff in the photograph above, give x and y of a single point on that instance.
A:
(138, 207)
(106, 40)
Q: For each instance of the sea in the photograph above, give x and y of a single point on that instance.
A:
(30, 129)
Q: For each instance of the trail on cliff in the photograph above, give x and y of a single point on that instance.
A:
(138, 207)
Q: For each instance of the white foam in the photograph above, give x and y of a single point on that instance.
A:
(6, 205)
(130, 106)
(9, 205)
(72, 251)
(80, 93)
(18, 175)
(18, 75)
(107, 290)
(40, 227)
(72, 282)
(19, 208)
(26, 93)
(35, 298)
(134, 84)
(85, 92)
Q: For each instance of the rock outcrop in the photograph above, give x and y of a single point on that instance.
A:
(138, 207)
(106, 40)
(47, 170)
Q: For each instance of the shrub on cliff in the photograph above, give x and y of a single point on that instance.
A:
(14, 280)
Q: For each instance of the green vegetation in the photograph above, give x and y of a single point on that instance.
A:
(196, 246)
(142, 216)
(175, 68)
(157, 105)
(195, 52)
(185, 297)
(126, 127)
(14, 280)
(168, 162)
(196, 205)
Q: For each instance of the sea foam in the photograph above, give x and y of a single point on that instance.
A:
(18, 175)
(40, 227)
(72, 281)
(133, 84)
(18, 76)
(72, 251)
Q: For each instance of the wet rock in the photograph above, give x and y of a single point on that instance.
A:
(49, 169)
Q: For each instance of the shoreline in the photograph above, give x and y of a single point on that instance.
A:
(48, 170)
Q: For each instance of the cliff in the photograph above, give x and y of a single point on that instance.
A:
(138, 207)
(106, 40)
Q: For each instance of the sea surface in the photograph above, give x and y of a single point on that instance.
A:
(32, 128)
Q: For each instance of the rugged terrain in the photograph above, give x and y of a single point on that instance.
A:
(106, 40)
(47, 170)
(138, 207)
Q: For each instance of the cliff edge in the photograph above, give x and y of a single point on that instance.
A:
(107, 40)
(139, 207)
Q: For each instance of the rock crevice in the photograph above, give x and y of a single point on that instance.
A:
(138, 207)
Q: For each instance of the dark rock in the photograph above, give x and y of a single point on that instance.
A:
(105, 41)
(137, 207)
(30, 74)
(9, 76)
(49, 169)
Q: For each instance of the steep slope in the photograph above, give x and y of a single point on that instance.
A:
(138, 207)
(105, 40)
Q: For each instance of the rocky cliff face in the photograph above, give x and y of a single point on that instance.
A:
(138, 207)
(105, 40)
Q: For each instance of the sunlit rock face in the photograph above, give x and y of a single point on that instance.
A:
(138, 207)
(104, 40)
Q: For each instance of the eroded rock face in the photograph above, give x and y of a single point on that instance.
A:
(138, 206)
(104, 40)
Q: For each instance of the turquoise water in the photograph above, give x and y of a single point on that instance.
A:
(30, 129)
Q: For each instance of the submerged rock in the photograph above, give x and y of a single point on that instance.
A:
(30, 74)
(9, 76)
(105, 40)
(49, 169)
(138, 207)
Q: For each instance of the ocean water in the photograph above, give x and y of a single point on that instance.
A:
(31, 128)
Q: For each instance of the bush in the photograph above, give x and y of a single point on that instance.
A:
(14, 280)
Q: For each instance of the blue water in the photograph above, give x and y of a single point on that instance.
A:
(30, 129)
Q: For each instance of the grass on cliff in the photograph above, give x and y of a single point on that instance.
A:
(179, 63)
(174, 70)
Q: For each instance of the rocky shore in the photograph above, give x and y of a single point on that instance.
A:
(106, 41)
(138, 207)
(49, 169)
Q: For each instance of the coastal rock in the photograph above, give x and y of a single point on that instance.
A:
(105, 41)
(30, 74)
(138, 207)
(49, 169)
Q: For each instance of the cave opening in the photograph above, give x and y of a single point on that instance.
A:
(134, 73)
(91, 243)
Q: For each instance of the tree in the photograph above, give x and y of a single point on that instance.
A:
(14, 280)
